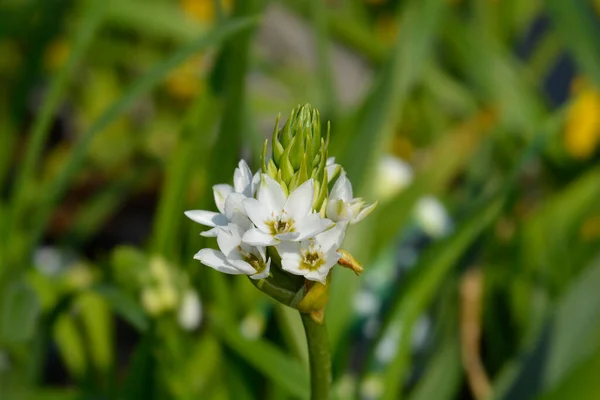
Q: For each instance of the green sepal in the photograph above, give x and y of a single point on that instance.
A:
(285, 136)
(263, 157)
(296, 150)
(272, 169)
(276, 145)
(286, 167)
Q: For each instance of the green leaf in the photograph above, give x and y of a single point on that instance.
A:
(431, 271)
(582, 382)
(58, 186)
(443, 376)
(124, 305)
(21, 310)
(419, 23)
(284, 371)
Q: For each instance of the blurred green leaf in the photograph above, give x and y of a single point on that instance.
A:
(430, 273)
(21, 310)
(58, 186)
(442, 379)
(267, 359)
(582, 382)
(123, 305)
(419, 22)
(98, 327)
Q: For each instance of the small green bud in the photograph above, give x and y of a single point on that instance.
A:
(299, 152)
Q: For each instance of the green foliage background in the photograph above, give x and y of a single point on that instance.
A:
(108, 106)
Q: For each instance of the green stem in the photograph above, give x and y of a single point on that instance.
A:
(319, 355)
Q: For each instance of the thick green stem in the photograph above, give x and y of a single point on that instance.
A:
(319, 354)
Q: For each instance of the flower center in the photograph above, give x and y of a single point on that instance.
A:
(281, 224)
(312, 257)
(252, 259)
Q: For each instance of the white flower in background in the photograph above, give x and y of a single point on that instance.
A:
(393, 175)
(252, 326)
(228, 200)
(190, 311)
(279, 218)
(49, 260)
(313, 257)
(432, 217)
(159, 294)
(332, 169)
(366, 303)
(372, 387)
(236, 257)
(342, 205)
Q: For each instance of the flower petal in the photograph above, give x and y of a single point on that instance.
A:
(312, 225)
(220, 193)
(364, 212)
(258, 213)
(242, 177)
(208, 218)
(243, 266)
(332, 239)
(213, 232)
(287, 236)
(271, 193)
(255, 237)
(264, 273)
(342, 189)
(228, 240)
(299, 204)
(216, 260)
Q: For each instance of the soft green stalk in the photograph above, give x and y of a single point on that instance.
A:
(319, 354)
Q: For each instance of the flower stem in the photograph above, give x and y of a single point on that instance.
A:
(319, 355)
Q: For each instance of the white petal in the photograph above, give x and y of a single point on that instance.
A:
(364, 212)
(336, 209)
(319, 275)
(254, 184)
(287, 236)
(291, 263)
(228, 241)
(220, 193)
(311, 225)
(265, 272)
(342, 189)
(215, 259)
(332, 239)
(208, 218)
(271, 193)
(255, 237)
(299, 204)
(242, 177)
(258, 213)
(234, 207)
(243, 266)
(213, 232)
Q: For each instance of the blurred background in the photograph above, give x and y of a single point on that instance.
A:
(475, 123)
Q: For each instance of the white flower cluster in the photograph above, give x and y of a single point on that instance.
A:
(257, 214)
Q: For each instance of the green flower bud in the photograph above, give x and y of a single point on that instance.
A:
(299, 152)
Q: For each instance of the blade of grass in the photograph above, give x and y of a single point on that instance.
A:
(281, 369)
(326, 84)
(92, 18)
(434, 266)
(58, 186)
(419, 22)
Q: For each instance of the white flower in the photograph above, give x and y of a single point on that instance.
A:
(431, 216)
(315, 256)
(190, 311)
(393, 175)
(342, 206)
(236, 257)
(228, 200)
(279, 218)
(332, 168)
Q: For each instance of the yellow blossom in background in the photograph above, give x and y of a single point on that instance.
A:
(203, 10)
(56, 54)
(582, 127)
(185, 82)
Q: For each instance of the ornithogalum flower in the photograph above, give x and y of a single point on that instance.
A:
(236, 257)
(313, 257)
(230, 207)
(342, 206)
(279, 217)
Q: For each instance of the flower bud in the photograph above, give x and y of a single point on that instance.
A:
(299, 152)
